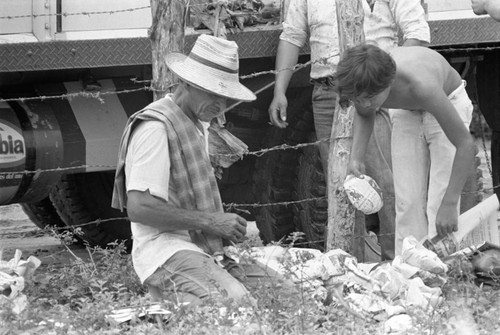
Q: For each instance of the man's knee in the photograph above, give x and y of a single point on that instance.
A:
(196, 276)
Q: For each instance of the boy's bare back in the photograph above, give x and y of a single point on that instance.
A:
(421, 73)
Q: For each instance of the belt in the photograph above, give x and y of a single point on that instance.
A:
(324, 81)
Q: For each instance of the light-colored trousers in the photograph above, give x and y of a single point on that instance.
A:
(422, 159)
(191, 277)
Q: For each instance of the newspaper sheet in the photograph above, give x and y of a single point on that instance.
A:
(475, 226)
(479, 224)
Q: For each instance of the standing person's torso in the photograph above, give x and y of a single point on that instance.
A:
(379, 24)
(316, 19)
(386, 20)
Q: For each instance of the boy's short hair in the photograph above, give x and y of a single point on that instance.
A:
(366, 69)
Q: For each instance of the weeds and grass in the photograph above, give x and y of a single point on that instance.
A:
(75, 299)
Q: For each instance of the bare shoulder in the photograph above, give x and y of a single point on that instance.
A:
(414, 53)
(415, 63)
(421, 64)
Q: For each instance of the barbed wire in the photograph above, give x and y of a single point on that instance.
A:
(188, 4)
(58, 169)
(98, 95)
(88, 94)
(468, 50)
(84, 94)
(65, 14)
(101, 221)
(296, 67)
(261, 152)
(227, 206)
(257, 153)
(51, 229)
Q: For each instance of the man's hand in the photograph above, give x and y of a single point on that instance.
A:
(356, 168)
(479, 6)
(491, 7)
(229, 226)
(447, 220)
(277, 111)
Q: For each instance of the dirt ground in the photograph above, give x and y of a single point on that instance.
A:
(18, 232)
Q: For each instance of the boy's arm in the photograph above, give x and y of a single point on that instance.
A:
(433, 99)
(362, 130)
(157, 213)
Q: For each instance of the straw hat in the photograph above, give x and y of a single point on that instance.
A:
(213, 66)
(363, 193)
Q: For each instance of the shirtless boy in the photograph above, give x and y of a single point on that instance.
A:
(419, 81)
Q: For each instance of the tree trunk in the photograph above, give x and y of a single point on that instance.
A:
(167, 35)
(341, 214)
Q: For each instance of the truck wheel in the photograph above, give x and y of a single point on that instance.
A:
(274, 222)
(311, 216)
(42, 213)
(86, 197)
(276, 170)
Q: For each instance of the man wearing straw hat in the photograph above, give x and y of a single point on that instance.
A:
(165, 180)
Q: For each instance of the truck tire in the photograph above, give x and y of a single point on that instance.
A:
(311, 216)
(276, 170)
(42, 214)
(86, 197)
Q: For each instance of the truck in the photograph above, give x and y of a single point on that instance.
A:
(72, 72)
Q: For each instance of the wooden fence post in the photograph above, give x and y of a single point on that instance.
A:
(167, 35)
(341, 214)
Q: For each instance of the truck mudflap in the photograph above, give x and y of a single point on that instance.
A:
(42, 137)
